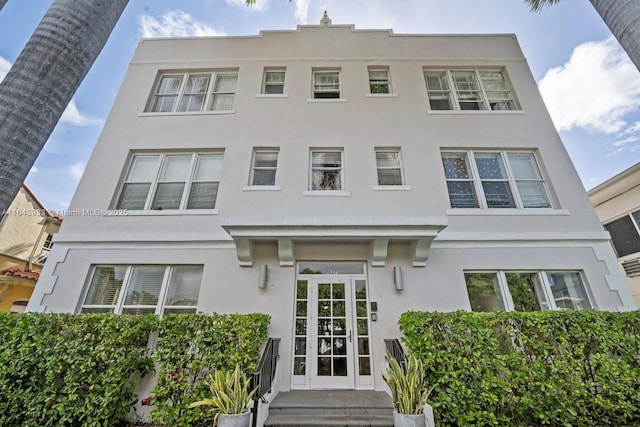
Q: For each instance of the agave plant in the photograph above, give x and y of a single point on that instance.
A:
(408, 388)
(230, 393)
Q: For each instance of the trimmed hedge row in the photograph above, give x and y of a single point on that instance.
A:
(521, 369)
(79, 370)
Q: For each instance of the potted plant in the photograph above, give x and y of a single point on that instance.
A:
(408, 392)
(230, 398)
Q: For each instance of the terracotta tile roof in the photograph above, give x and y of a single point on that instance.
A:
(21, 274)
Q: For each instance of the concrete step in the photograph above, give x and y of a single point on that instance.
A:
(325, 408)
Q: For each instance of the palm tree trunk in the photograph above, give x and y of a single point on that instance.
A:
(43, 79)
(2, 2)
(623, 19)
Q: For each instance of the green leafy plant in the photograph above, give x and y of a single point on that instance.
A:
(192, 346)
(230, 392)
(407, 385)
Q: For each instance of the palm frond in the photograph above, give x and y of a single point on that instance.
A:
(537, 5)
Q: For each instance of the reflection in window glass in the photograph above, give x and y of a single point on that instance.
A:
(484, 291)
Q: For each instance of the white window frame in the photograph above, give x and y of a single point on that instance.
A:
(266, 83)
(340, 168)
(190, 179)
(119, 305)
(322, 88)
(180, 93)
(542, 276)
(453, 93)
(510, 179)
(386, 82)
(256, 151)
(379, 168)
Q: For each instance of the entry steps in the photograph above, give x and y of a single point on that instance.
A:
(334, 408)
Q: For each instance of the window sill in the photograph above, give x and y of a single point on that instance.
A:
(335, 193)
(326, 100)
(173, 212)
(187, 113)
(509, 212)
(475, 112)
(261, 188)
(391, 188)
(272, 95)
(381, 95)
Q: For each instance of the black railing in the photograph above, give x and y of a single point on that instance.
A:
(394, 348)
(262, 378)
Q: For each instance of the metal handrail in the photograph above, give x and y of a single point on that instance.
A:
(262, 378)
(394, 348)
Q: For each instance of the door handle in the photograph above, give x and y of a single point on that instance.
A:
(349, 335)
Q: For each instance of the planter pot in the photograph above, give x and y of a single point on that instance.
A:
(234, 420)
(428, 416)
(406, 420)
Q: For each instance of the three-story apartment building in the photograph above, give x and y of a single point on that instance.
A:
(333, 178)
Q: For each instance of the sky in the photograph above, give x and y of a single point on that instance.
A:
(590, 87)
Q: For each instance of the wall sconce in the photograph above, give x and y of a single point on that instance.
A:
(397, 278)
(263, 276)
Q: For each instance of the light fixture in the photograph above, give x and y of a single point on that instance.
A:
(263, 276)
(397, 278)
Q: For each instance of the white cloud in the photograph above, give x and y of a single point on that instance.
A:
(594, 90)
(627, 144)
(4, 67)
(76, 170)
(258, 6)
(302, 10)
(33, 169)
(175, 23)
(73, 116)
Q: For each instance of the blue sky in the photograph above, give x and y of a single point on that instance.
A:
(591, 88)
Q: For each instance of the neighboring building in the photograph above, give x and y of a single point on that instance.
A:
(617, 203)
(332, 178)
(26, 230)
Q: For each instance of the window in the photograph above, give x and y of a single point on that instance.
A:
(265, 164)
(389, 167)
(48, 242)
(625, 234)
(171, 181)
(379, 80)
(468, 90)
(326, 84)
(187, 92)
(273, 82)
(139, 289)
(326, 170)
(494, 179)
(526, 291)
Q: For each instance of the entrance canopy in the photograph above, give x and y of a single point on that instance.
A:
(418, 232)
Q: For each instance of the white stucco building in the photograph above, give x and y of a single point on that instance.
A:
(332, 178)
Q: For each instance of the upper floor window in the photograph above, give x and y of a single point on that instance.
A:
(526, 291)
(625, 234)
(389, 167)
(379, 80)
(326, 84)
(468, 90)
(494, 179)
(273, 83)
(48, 242)
(326, 170)
(171, 181)
(265, 165)
(188, 92)
(139, 289)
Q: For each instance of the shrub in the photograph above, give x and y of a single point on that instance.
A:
(70, 370)
(189, 348)
(522, 369)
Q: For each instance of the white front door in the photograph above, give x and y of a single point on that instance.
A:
(332, 330)
(331, 333)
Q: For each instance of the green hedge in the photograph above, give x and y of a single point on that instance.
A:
(78, 370)
(191, 346)
(70, 370)
(570, 368)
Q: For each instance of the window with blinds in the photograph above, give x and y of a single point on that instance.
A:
(165, 181)
(140, 289)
